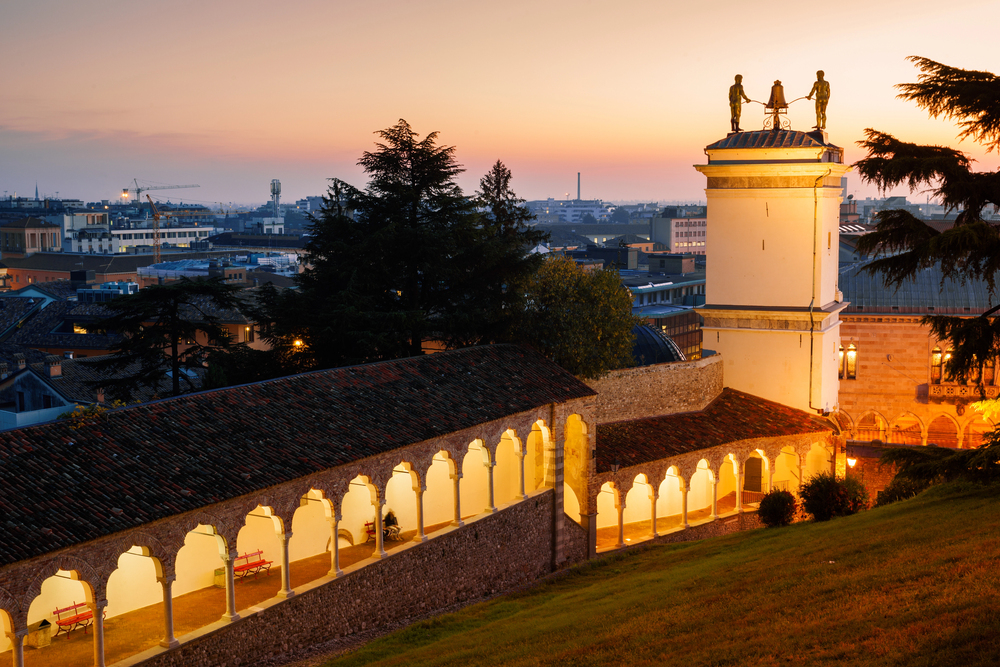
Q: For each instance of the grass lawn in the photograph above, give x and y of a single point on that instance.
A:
(915, 583)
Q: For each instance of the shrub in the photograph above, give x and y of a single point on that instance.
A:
(777, 508)
(824, 496)
(900, 488)
(857, 495)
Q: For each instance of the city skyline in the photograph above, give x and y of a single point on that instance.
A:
(230, 96)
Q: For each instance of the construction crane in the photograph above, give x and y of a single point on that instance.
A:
(139, 189)
(168, 214)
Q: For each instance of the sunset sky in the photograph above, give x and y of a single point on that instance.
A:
(232, 94)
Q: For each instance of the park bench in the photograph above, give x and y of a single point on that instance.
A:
(74, 616)
(369, 530)
(253, 563)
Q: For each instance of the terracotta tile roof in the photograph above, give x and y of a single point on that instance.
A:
(730, 417)
(60, 486)
(42, 330)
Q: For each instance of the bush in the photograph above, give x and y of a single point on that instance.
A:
(857, 495)
(900, 488)
(824, 496)
(777, 508)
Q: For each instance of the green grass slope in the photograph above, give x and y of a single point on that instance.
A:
(915, 583)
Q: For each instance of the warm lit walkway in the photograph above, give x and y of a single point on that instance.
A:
(638, 531)
(136, 631)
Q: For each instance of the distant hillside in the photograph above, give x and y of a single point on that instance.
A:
(915, 583)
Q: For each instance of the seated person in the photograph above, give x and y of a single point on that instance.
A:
(390, 526)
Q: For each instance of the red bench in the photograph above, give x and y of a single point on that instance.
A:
(369, 530)
(70, 618)
(253, 563)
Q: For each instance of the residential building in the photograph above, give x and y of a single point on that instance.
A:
(24, 237)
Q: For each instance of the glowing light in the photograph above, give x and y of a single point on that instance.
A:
(298, 342)
(851, 462)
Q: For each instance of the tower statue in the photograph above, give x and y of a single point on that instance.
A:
(736, 98)
(821, 89)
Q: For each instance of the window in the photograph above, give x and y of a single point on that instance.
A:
(46, 401)
(248, 334)
(848, 363)
(936, 357)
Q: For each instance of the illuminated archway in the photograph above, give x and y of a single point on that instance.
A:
(507, 472)
(439, 498)
(534, 460)
(871, 426)
(701, 496)
(976, 431)
(906, 429)
(670, 504)
(475, 486)
(819, 459)
(787, 475)
(638, 512)
(943, 432)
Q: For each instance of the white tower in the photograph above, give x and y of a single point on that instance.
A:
(772, 303)
(276, 196)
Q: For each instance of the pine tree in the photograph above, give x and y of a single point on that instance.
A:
(167, 332)
(902, 244)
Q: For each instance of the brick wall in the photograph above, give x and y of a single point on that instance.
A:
(661, 389)
(867, 469)
(893, 378)
(493, 553)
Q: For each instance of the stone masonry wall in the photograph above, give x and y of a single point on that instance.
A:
(661, 389)
(491, 554)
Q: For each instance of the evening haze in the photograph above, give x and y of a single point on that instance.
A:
(232, 94)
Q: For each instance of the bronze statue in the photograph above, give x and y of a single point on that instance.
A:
(822, 91)
(736, 97)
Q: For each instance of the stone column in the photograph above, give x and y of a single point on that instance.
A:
(621, 524)
(168, 641)
(684, 508)
(17, 646)
(420, 536)
(286, 576)
(491, 507)
(520, 462)
(740, 481)
(652, 507)
(229, 558)
(98, 608)
(798, 465)
(379, 537)
(591, 535)
(715, 499)
(457, 476)
(770, 476)
(335, 570)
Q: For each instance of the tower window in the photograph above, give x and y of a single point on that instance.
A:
(848, 362)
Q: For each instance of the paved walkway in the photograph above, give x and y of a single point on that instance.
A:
(136, 631)
(640, 531)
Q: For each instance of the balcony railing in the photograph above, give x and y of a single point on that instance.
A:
(969, 391)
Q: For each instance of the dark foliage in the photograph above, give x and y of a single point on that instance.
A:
(902, 244)
(405, 264)
(777, 508)
(857, 494)
(824, 496)
(900, 488)
(160, 327)
(932, 464)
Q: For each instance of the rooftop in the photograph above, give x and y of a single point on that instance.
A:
(730, 417)
(770, 139)
(60, 486)
(925, 294)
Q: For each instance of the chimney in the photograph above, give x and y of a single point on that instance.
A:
(19, 361)
(100, 394)
(54, 366)
(578, 186)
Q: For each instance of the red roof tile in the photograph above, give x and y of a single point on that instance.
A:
(730, 417)
(230, 442)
